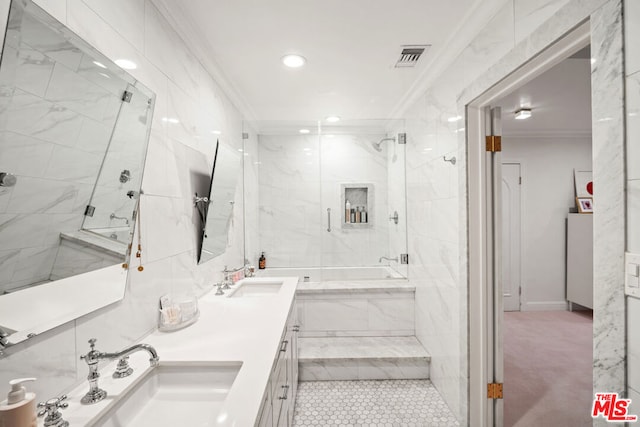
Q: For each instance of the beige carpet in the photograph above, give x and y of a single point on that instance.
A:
(548, 368)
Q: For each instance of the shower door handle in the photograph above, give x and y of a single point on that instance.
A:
(329, 220)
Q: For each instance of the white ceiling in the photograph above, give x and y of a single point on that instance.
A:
(351, 49)
(560, 101)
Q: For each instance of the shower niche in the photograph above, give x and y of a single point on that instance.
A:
(357, 205)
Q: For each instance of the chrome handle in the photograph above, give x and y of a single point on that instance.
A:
(329, 219)
(286, 392)
(283, 346)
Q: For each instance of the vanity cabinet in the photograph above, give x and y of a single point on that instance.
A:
(278, 403)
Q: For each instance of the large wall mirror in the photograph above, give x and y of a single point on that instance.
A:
(74, 129)
(217, 208)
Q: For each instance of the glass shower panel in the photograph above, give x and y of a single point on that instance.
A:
(362, 173)
(288, 170)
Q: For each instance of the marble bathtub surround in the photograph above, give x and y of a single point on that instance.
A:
(68, 137)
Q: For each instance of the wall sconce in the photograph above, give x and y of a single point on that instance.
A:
(523, 113)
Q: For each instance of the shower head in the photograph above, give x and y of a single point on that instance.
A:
(378, 145)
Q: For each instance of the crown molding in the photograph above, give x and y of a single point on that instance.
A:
(476, 18)
(196, 43)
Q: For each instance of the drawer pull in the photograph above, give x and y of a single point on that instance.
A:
(283, 346)
(286, 392)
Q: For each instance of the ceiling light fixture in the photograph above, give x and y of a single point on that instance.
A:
(126, 64)
(99, 64)
(332, 119)
(304, 131)
(523, 113)
(454, 119)
(293, 61)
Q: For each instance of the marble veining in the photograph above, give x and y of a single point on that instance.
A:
(607, 80)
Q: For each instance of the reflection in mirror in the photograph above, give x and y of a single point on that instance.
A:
(74, 129)
(219, 210)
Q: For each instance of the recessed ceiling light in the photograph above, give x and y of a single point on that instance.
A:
(216, 132)
(170, 120)
(454, 119)
(126, 64)
(523, 113)
(332, 119)
(304, 131)
(106, 76)
(99, 64)
(293, 61)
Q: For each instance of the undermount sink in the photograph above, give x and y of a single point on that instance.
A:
(172, 395)
(255, 289)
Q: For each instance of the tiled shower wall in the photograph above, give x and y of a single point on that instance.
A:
(134, 29)
(299, 179)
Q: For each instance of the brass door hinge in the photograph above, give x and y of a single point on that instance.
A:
(494, 143)
(494, 391)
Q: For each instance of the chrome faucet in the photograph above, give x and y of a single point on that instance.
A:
(4, 339)
(95, 393)
(388, 259)
(114, 216)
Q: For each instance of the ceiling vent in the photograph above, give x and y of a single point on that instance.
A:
(410, 55)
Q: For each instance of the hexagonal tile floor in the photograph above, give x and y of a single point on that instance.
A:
(373, 403)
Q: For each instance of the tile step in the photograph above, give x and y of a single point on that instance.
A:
(359, 358)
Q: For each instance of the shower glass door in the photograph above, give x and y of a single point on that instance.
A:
(298, 178)
(362, 181)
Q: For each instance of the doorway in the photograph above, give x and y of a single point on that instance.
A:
(485, 282)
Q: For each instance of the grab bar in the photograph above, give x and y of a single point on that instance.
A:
(329, 219)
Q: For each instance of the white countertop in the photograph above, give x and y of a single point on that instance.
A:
(246, 330)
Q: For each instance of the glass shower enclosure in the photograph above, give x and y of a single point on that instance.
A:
(330, 199)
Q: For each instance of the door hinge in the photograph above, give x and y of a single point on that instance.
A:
(520, 180)
(402, 138)
(494, 143)
(245, 135)
(89, 210)
(404, 258)
(494, 391)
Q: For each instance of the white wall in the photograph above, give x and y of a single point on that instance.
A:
(547, 193)
(134, 29)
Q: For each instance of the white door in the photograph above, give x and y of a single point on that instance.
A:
(511, 236)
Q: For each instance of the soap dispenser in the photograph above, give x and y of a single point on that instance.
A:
(262, 262)
(19, 410)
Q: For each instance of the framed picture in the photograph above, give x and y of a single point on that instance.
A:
(585, 204)
(584, 183)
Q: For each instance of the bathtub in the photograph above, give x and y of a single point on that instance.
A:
(332, 274)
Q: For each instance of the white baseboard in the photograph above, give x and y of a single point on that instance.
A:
(545, 306)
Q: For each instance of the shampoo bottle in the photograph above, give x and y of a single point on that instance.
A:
(347, 212)
(19, 410)
(262, 262)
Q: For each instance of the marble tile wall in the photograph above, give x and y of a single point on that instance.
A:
(185, 91)
(299, 178)
(437, 191)
(632, 105)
